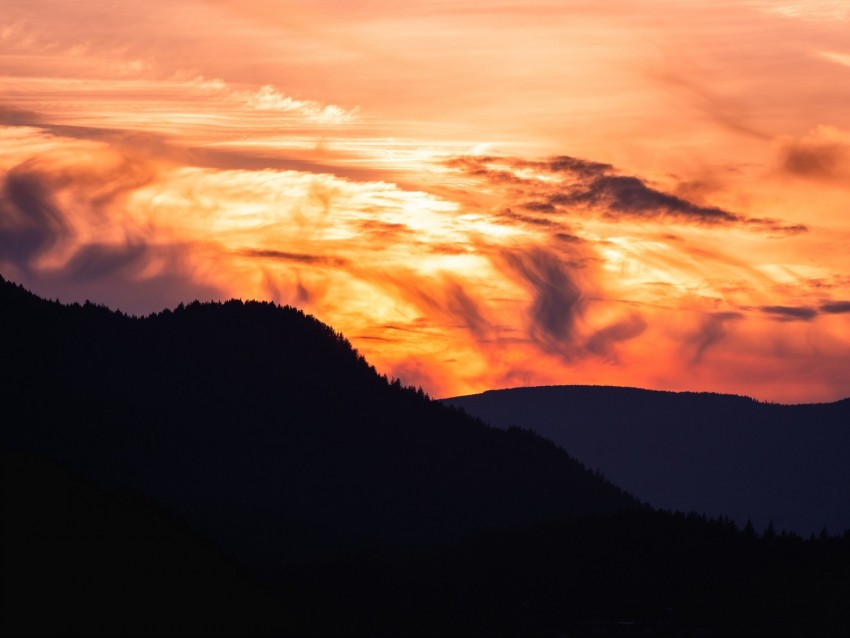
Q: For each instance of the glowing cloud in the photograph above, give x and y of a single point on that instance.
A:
(477, 194)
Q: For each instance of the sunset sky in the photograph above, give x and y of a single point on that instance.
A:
(651, 193)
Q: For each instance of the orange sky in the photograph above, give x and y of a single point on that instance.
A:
(478, 194)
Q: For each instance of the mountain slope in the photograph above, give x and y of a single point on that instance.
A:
(262, 428)
(141, 456)
(78, 560)
(719, 454)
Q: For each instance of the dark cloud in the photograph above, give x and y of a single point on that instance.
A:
(603, 342)
(11, 116)
(630, 196)
(835, 307)
(98, 261)
(464, 307)
(766, 223)
(479, 166)
(580, 167)
(790, 313)
(557, 299)
(568, 238)
(31, 220)
(31, 223)
(508, 214)
(115, 275)
(302, 293)
(711, 331)
(596, 187)
(301, 258)
(540, 207)
(816, 159)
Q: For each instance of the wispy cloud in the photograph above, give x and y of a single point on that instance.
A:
(566, 185)
(711, 330)
(301, 258)
(426, 180)
(30, 220)
(557, 301)
(835, 307)
(790, 313)
(823, 153)
(838, 58)
(267, 98)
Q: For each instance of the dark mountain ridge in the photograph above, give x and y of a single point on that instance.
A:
(237, 468)
(724, 455)
(263, 428)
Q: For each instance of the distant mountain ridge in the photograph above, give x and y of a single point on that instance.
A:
(719, 454)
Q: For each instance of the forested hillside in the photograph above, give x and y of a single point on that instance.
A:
(238, 468)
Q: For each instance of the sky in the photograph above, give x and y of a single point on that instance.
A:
(478, 194)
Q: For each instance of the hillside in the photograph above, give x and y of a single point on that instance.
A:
(79, 560)
(262, 428)
(719, 454)
(237, 468)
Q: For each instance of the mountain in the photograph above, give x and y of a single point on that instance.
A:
(79, 560)
(237, 468)
(263, 429)
(718, 454)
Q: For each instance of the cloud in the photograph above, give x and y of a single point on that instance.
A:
(568, 238)
(728, 109)
(511, 216)
(835, 307)
(825, 10)
(790, 313)
(31, 222)
(631, 196)
(11, 116)
(769, 224)
(98, 261)
(267, 98)
(833, 56)
(557, 301)
(823, 154)
(136, 277)
(301, 258)
(568, 184)
(603, 342)
(576, 166)
(163, 148)
(238, 159)
(711, 331)
(442, 300)
(463, 305)
(65, 231)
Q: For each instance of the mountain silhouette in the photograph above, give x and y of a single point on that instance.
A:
(81, 560)
(719, 454)
(263, 428)
(238, 468)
